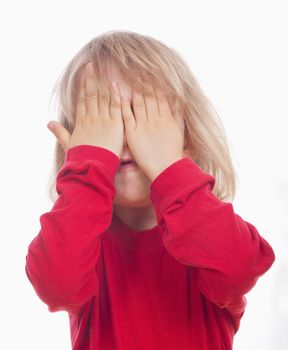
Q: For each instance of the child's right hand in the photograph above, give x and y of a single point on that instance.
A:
(98, 121)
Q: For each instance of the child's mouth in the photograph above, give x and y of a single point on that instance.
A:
(127, 165)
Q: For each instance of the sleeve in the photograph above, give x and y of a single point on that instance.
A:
(204, 232)
(61, 262)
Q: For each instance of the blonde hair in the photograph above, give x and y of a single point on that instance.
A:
(130, 52)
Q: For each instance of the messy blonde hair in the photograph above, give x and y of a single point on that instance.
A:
(130, 52)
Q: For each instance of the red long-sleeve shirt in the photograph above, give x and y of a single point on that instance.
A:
(179, 285)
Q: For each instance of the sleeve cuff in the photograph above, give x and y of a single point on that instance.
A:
(176, 182)
(90, 152)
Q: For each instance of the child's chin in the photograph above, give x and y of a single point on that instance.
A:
(132, 201)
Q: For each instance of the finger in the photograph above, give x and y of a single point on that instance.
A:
(103, 102)
(115, 101)
(81, 101)
(150, 100)
(139, 107)
(91, 91)
(163, 104)
(62, 135)
(127, 114)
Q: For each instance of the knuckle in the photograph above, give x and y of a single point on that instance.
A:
(91, 94)
(160, 97)
(115, 102)
(102, 97)
(148, 93)
(138, 104)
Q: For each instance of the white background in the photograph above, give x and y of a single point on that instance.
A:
(238, 52)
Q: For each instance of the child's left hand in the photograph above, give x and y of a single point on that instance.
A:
(152, 132)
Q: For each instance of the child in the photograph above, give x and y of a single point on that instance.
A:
(146, 255)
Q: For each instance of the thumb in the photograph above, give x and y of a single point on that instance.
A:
(62, 135)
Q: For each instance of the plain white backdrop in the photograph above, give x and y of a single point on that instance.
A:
(238, 52)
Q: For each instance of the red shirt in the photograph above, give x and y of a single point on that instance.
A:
(179, 285)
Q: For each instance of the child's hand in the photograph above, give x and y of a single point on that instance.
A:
(98, 121)
(152, 133)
